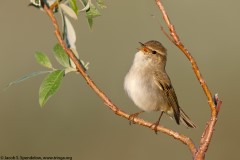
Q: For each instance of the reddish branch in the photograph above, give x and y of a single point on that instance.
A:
(215, 107)
(184, 139)
(198, 153)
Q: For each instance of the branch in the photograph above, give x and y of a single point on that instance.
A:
(104, 97)
(215, 107)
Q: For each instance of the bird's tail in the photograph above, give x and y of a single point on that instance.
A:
(186, 120)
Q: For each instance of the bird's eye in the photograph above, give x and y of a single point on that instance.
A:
(154, 52)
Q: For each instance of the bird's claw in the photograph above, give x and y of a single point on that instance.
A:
(154, 126)
(133, 116)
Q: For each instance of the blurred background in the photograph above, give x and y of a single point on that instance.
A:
(76, 123)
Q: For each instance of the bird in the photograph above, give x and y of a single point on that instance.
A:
(149, 86)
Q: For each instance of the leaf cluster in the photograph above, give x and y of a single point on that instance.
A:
(66, 8)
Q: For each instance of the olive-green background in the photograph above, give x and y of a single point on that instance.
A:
(76, 123)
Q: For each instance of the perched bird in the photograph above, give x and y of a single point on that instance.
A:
(149, 86)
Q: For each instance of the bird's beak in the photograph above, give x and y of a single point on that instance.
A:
(143, 48)
(141, 44)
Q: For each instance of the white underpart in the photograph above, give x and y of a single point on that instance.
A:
(141, 88)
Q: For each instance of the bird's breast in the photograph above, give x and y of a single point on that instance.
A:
(141, 88)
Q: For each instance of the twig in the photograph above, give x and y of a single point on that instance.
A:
(208, 133)
(104, 97)
(166, 34)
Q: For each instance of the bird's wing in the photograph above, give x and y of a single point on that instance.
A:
(164, 84)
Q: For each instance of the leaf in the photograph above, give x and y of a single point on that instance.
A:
(70, 33)
(36, 3)
(74, 6)
(68, 70)
(87, 6)
(91, 13)
(51, 2)
(90, 22)
(101, 4)
(25, 77)
(43, 59)
(61, 55)
(85, 65)
(69, 11)
(50, 85)
(85, 2)
(76, 54)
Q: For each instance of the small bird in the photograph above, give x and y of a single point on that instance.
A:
(149, 86)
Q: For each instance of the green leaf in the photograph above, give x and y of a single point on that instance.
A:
(61, 55)
(73, 5)
(90, 22)
(50, 85)
(84, 2)
(101, 4)
(43, 59)
(91, 13)
(25, 77)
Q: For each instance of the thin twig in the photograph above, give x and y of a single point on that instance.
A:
(167, 35)
(208, 133)
(104, 97)
(180, 45)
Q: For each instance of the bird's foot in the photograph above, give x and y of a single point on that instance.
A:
(133, 116)
(155, 125)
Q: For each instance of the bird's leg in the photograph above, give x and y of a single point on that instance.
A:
(132, 116)
(157, 123)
